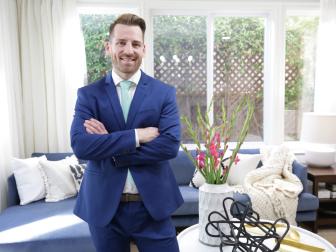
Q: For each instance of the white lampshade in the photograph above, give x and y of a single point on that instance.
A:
(318, 131)
(318, 128)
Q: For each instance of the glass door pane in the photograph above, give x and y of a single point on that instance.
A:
(238, 68)
(180, 58)
(301, 34)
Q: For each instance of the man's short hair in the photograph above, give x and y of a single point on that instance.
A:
(131, 20)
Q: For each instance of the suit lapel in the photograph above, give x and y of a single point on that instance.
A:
(114, 100)
(139, 95)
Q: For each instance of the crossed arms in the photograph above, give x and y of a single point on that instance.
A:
(145, 135)
(91, 141)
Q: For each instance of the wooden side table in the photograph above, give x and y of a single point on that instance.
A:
(318, 175)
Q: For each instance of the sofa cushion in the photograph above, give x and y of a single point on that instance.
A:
(190, 205)
(183, 168)
(53, 156)
(307, 202)
(306, 216)
(12, 194)
(42, 226)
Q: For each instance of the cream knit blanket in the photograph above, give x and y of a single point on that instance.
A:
(273, 188)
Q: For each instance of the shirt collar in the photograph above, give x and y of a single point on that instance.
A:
(135, 78)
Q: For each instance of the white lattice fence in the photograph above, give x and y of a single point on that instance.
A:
(233, 78)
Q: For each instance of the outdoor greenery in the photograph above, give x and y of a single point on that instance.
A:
(188, 39)
(299, 29)
(95, 31)
(234, 37)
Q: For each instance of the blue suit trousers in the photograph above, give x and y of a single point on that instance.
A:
(133, 222)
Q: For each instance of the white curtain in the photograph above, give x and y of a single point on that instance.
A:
(325, 80)
(11, 133)
(53, 64)
(42, 63)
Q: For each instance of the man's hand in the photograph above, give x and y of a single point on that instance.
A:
(93, 126)
(146, 135)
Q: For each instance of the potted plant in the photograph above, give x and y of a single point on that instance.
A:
(211, 160)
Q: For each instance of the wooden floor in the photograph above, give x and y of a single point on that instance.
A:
(328, 233)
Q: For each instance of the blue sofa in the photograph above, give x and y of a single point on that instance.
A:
(42, 226)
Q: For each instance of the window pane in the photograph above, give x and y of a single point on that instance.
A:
(180, 60)
(238, 68)
(301, 34)
(96, 32)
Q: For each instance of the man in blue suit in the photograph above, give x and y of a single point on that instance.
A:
(127, 126)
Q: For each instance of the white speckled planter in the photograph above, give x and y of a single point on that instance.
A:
(211, 199)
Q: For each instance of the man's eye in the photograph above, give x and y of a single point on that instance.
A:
(121, 43)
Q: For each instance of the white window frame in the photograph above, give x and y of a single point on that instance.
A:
(274, 11)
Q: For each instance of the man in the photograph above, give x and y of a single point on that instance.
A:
(127, 126)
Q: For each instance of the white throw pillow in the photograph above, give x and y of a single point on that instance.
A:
(58, 179)
(28, 178)
(247, 163)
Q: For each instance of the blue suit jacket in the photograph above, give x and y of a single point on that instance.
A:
(110, 155)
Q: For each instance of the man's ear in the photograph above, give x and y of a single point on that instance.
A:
(144, 50)
(107, 46)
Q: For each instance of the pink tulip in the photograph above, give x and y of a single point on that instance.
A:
(200, 158)
(213, 150)
(216, 140)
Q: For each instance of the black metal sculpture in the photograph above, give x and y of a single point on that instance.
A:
(244, 219)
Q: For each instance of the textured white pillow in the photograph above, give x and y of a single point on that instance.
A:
(58, 179)
(247, 163)
(28, 178)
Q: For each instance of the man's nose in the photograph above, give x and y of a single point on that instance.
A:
(128, 48)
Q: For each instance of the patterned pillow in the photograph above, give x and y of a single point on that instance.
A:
(77, 172)
(197, 179)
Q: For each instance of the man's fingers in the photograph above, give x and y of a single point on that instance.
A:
(90, 129)
(98, 125)
(92, 124)
(95, 126)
